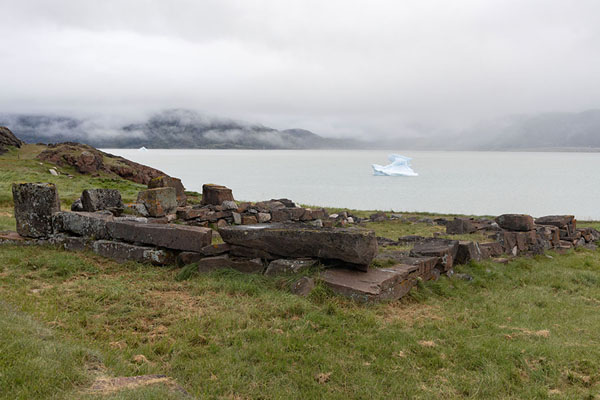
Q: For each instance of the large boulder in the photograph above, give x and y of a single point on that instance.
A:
(377, 284)
(34, 205)
(168, 181)
(101, 199)
(215, 194)
(170, 236)
(159, 202)
(516, 222)
(351, 245)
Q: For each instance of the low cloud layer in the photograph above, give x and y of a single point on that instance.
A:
(339, 68)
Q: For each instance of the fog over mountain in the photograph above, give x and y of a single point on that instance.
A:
(180, 128)
(379, 71)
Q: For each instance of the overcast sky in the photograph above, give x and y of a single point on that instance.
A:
(369, 68)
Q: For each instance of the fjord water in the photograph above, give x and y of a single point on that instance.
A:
(477, 183)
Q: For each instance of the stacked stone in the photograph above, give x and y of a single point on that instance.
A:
(218, 207)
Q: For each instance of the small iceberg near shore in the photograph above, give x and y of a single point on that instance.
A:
(400, 166)
(142, 149)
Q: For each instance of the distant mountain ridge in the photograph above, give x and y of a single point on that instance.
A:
(180, 128)
(176, 128)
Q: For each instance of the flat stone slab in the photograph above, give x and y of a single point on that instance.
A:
(224, 261)
(377, 284)
(559, 221)
(86, 224)
(516, 222)
(288, 266)
(351, 245)
(170, 236)
(129, 252)
(445, 250)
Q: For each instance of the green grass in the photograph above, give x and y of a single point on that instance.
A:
(523, 330)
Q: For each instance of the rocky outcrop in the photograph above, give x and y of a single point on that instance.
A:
(88, 160)
(7, 138)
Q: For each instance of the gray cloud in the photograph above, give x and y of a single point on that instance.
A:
(357, 68)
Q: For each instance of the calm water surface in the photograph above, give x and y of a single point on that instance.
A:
(481, 183)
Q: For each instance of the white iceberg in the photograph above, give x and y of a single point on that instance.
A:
(400, 166)
(142, 149)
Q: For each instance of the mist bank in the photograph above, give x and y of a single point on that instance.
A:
(179, 128)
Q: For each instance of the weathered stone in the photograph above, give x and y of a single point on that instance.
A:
(101, 199)
(34, 205)
(303, 286)
(189, 257)
(229, 205)
(445, 250)
(489, 250)
(411, 239)
(559, 221)
(158, 202)
(187, 213)
(215, 194)
(170, 236)
(168, 181)
(467, 251)
(93, 225)
(77, 205)
(221, 223)
(518, 242)
(288, 266)
(426, 265)
(286, 202)
(460, 226)
(352, 245)
(128, 252)
(224, 261)
(246, 252)
(263, 217)
(237, 218)
(136, 208)
(516, 222)
(76, 243)
(378, 217)
(249, 220)
(377, 284)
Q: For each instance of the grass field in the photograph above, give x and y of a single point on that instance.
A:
(524, 330)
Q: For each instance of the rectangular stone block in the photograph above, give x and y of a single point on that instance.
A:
(168, 181)
(159, 202)
(101, 199)
(377, 284)
(354, 246)
(215, 194)
(93, 225)
(493, 249)
(467, 251)
(129, 252)
(224, 261)
(35, 203)
(170, 236)
(445, 250)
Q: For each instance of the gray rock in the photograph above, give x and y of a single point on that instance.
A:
(303, 286)
(237, 218)
(263, 217)
(229, 205)
(377, 284)
(224, 261)
(34, 205)
(92, 225)
(460, 226)
(516, 222)
(215, 194)
(77, 205)
(159, 202)
(128, 252)
(53, 172)
(445, 250)
(170, 236)
(467, 251)
(351, 245)
(288, 266)
(101, 199)
(168, 181)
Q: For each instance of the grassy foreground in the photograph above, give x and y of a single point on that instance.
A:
(525, 330)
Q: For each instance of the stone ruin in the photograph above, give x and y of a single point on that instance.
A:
(273, 237)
